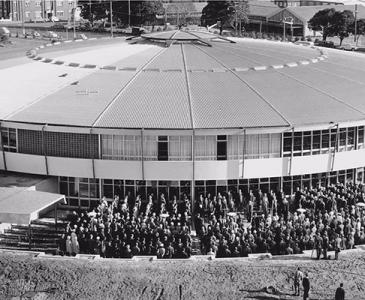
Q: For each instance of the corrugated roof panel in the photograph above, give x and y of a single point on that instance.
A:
(105, 55)
(78, 104)
(24, 84)
(197, 59)
(221, 100)
(349, 87)
(170, 59)
(300, 104)
(139, 59)
(152, 100)
(261, 53)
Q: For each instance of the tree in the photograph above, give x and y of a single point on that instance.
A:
(241, 10)
(141, 12)
(216, 11)
(181, 10)
(322, 21)
(341, 24)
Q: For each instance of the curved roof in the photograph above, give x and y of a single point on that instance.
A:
(195, 80)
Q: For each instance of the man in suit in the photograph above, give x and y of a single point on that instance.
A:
(340, 293)
(306, 287)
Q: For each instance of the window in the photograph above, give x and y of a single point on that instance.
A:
(27, 3)
(297, 147)
(350, 138)
(27, 14)
(8, 139)
(38, 3)
(179, 148)
(121, 147)
(252, 146)
(342, 139)
(60, 13)
(205, 147)
(325, 141)
(233, 148)
(221, 147)
(287, 143)
(360, 137)
(70, 2)
(163, 148)
(316, 145)
(59, 3)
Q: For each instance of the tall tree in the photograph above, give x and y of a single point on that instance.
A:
(322, 21)
(141, 12)
(216, 11)
(341, 24)
(241, 10)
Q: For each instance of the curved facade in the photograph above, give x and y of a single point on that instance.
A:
(180, 112)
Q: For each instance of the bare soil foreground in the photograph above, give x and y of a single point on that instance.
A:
(50, 278)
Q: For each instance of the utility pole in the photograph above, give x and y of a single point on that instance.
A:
(74, 19)
(355, 40)
(129, 13)
(22, 12)
(111, 18)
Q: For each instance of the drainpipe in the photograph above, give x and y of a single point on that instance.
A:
(44, 148)
(2, 149)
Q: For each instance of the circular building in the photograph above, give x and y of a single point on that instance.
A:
(182, 112)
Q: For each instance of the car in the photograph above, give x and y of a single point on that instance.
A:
(36, 34)
(51, 35)
(347, 47)
(304, 43)
(57, 26)
(329, 44)
(4, 33)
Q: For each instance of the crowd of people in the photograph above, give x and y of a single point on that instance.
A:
(129, 227)
(321, 218)
(228, 224)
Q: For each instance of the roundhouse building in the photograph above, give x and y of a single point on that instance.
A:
(182, 112)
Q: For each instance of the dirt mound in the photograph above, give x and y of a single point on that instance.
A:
(50, 278)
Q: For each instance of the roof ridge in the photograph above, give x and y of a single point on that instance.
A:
(321, 91)
(188, 87)
(249, 86)
(126, 85)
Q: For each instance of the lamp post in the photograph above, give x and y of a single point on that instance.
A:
(285, 21)
(355, 39)
(111, 18)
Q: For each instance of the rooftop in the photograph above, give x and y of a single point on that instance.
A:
(198, 80)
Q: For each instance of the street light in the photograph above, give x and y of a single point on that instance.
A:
(285, 21)
(355, 40)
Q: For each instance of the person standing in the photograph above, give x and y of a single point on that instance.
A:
(306, 287)
(340, 293)
(337, 246)
(298, 278)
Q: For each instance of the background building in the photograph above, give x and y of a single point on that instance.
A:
(41, 10)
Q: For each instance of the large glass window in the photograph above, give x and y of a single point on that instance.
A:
(179, 148)
(163, 148)
(8, 139)
(323, 141)
(287, 144)
(360, 137)
(221, 147)
(205, 147)
(121, 147)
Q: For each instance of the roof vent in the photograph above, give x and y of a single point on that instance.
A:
(63, 75)
(75, 83)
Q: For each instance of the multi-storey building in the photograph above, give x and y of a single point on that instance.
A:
(41, 10)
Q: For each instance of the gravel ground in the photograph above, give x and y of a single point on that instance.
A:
(50, 278)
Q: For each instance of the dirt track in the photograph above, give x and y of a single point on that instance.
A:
(228, 279)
